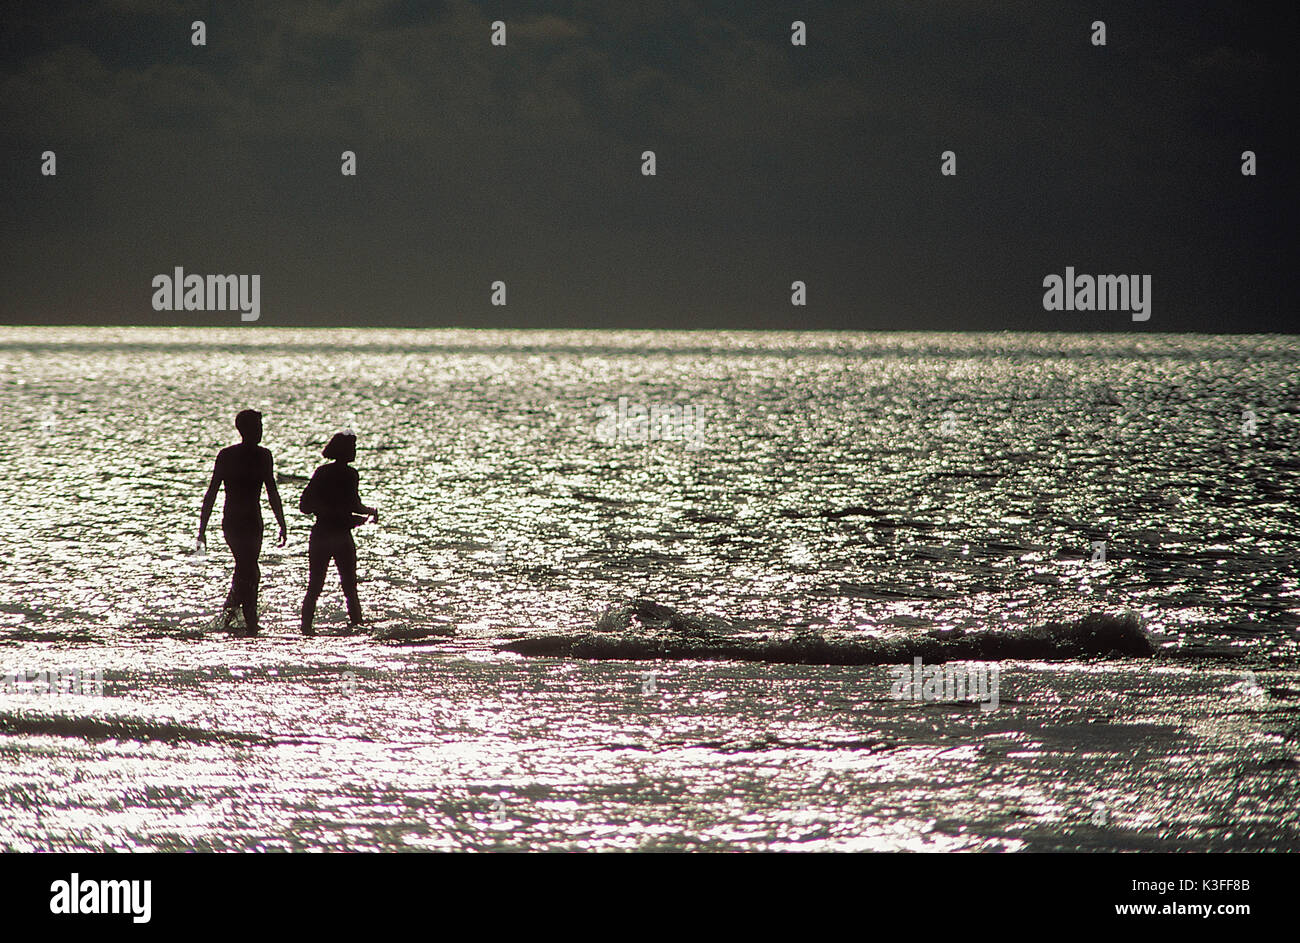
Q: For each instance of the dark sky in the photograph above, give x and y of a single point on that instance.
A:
(775, 162)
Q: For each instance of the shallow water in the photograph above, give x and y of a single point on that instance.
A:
(864, 483)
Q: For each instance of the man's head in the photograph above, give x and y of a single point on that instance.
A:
(249, 424)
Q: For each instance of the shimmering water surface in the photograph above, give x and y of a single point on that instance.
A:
(871, 483)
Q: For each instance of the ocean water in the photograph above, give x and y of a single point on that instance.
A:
(851, 486)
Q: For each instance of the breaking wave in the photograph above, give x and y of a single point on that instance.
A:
(643, 629)
(114, 728)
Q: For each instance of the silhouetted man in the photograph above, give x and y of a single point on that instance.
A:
(243, 468)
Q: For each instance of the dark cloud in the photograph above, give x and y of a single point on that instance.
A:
(401, 14)
(522, 163)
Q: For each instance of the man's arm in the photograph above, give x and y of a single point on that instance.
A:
(209, 499)
(273, 495)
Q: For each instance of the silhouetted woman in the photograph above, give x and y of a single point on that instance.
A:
(332, 495)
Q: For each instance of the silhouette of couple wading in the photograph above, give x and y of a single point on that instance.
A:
(331, 495)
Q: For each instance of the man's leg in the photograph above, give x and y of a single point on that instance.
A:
(231, 605)
(235, 596)
(252, 584)
(246, 545)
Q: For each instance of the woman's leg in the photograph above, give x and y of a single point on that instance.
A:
(318, 558)
(345, 559)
